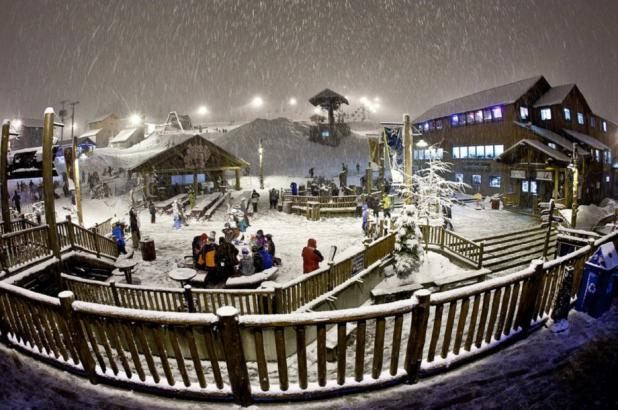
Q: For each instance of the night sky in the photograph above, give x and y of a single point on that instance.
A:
(154, 56)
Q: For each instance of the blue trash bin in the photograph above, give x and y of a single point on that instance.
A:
(596, 290)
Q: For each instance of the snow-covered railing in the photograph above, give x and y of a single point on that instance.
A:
(226, 355)
(17, 225)
(23, 247)
(457, 244)
(323, 199)
(104, 228)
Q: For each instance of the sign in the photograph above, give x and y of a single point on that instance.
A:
(358, 263)
(476, 166)
(518, 173)
(331, 253)
(544, 176)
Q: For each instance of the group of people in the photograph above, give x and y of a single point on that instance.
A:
(221, 260)
(370, 206)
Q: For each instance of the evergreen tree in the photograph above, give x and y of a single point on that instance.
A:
(408, 249)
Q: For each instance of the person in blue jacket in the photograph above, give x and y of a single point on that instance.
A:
(266, 257)
(294, 188)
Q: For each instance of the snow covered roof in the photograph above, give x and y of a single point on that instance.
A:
(123, 135)
(587, 139)
(91, 133)
(555, 95)
(552, 137)
(504, 94)
(328, 96)
(103, 117)
(550, 152)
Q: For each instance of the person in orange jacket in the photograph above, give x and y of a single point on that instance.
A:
(311, 256)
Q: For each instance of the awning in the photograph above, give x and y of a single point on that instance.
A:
(551, 136)
(587, 139)
(539, 146)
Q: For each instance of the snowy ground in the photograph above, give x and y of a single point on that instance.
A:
(568, 370)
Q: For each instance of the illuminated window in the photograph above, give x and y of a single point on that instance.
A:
(551, 145)
(472, 152)
(567, 114)
(459, 178)
(580, 118)
(498, 150)
(478, 116)
(455, 120)
(463, 152)
(524, 186)
(523, 113)
(497, 113)
(470, 118)
(604, 126)
(487, 115)
(533, 187)
(494, 182)
(438, 124)
(489, 151)
(456, 153)
(480, 151)
(546, 114)
(426, 126)
(476, 179)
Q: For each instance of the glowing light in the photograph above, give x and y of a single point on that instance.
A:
(376, 99)
(364, 100)
(317, 110)
(257, 102)
(17, 124)
(202, 110)
(421, 144)
(135, 120)
(292, 101)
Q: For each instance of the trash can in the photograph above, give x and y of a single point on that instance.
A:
(495, 203)
(596, 290)
(287, 207)
(147, 247)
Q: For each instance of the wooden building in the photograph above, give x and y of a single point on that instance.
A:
(196, 157)
(518, 140)
(104, 128)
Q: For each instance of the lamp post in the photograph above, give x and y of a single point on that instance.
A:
(261, 154)
(407, 152)
(573, 167)
(76, 175)
(4, 189)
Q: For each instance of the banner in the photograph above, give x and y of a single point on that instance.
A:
(374, 150)
(393, 139)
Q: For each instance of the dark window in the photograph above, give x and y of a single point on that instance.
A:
(438, 124)
(487, 115)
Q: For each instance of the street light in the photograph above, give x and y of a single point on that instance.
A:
(257, 102)
(292, 101)
(261, 154)
(135, 120)
(202, 110)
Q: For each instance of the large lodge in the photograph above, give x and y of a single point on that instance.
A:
(518, 140)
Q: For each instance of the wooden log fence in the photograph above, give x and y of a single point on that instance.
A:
(467, 249)
(222, 355)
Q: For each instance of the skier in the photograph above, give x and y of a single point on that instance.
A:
(247, 266)
(386, 205)
(17, 201)
(294, 188)
(254, 200)
(134, 222)
(176, 215)
(311, 256)
(153, 212)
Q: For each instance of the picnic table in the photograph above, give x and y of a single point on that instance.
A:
(246, 195)
(125, 267)
(182, 275)
(166, 206)
(204, 203)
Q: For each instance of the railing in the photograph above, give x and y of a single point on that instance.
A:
(464, 248)
(324, 199)
(104, 228)
(271, 357)
(17, 225)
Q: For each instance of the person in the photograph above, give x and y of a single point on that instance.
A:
(196, 246)
(153, 212)
(120, 244)
(365, 217)
(270, 247)
(271, 195)
(229, 232)
(359, 206)
(254, 200)
(37, 215)
(357, 168)
(118, 236)
(275, 198)
(258, 262)
(226, 258)
(294, 188)
(386, 205)
(447, 214)
(260, 239)
(266, 258)
(17, 201)
(311, 256)
(242, 223)
(209, 252)
(134, 223)
(247, 266)
(310, 172)
(176, 215)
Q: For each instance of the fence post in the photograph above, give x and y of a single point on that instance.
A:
(189, 299)
(416, 340)
(112, 285)
(3, 259)
(481, 250)
(97, 248)
(530, 295)
(70, 232)
(365, 253)
(279, 304)
(77, 335)
(234, 355)
(442, 235)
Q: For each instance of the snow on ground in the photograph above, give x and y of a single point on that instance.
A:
(473, 224)
(588, 216)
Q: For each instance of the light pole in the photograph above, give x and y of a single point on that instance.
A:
(573, 167)
(407, 153)
(62, 114)
(261, 154)
(4, 189)
(76, 175)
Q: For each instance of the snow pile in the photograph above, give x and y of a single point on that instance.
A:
(287, 149)
(588, 216)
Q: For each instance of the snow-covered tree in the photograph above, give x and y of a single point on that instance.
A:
(408, 249)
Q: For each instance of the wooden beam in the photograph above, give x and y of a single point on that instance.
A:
(4, 191)
(48, 181)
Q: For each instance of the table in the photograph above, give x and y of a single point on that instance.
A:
(182, 275)
(125, 267)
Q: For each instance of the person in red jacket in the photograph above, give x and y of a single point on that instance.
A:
(311, 256)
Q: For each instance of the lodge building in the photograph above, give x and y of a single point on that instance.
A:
(519, 139)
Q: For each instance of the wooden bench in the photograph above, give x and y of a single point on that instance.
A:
(251, 281)
(208, 214)
(166, 206)
(459, 280)
(204, 204)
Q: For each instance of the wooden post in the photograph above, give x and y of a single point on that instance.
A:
(97, 248)
(279, 304)
(234, 355)
(77, 335)
(77, 182)
(556, 192)
(416, 340)
(368, 179)
(529, 296)
(4, 190)
(48, 181)
(189, 299)
(237, 176)
(442, 237)
(550, 218)
(71, 232)
(408, 165)
(112, 285)
(481, 251)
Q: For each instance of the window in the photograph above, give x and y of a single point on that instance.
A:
(608, 157)
(489, 151)
(533, 187)
(580, 118)
(593, 121)
(546, 114)
(480, 151)
(455, 120)
(463, 152)
(459, 178)
(498, 150)
(606, 178)
(486, 115)
(478, 116)
(476, 179)
(472, 152)
(523, 113)
(524, 186)
(426, 127)
(551, 145)
(456, 153)
(438, 124)
(494, 182)
(440, 153)
(432, 126)
(462, 119)
(497, 113)
(604, 126)
(470, 118)
(567, 114)
(597, 155)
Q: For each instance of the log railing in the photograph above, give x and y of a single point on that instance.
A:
(104, 228)
(469, 250)
(17, 225)
(285, 356)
